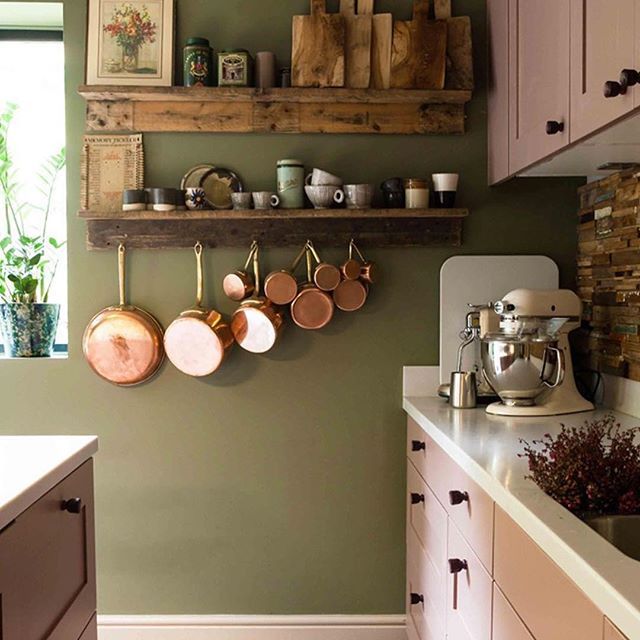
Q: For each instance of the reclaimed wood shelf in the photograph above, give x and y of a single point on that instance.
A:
(248, 110)
(278, 228)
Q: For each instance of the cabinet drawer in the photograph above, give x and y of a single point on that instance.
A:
(611, 632)
(47, 565)
(550, 605)
(427, 518)
(419, 446)
(426, 581)
(506, 623)
(469, 593)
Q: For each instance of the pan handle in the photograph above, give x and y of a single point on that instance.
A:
(354, 247)
(256, 269)
(309, 262)
(298, 260)
(252, 250)
(313, 251)
(122, 254)
(198, 250)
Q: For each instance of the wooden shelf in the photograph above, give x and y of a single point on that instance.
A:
(248, 110)
(280, 228)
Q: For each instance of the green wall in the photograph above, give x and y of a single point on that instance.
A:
(277, 485)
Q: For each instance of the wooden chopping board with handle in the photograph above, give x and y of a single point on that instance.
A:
(318, 46)
(419, 53)
(381, 42)
(357, 51)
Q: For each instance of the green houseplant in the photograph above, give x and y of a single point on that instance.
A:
(28, 254)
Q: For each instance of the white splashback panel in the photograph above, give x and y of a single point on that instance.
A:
(478, 280)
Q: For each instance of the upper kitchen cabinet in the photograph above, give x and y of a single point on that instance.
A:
(603, 44)
(539, 37)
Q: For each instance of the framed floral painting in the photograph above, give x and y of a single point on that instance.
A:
(130, 42)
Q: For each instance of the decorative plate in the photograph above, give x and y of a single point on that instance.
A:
(218, 184)
(192, 178)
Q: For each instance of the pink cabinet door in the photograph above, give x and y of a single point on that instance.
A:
(611, 632)
(603, 42)
(506, 623)
(469, 592)
(539, 37)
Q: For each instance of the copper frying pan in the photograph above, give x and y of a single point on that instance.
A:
(198, 341)
(281, 287)
(123, 343)
(257, 323)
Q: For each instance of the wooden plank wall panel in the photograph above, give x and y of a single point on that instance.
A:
(609, 274)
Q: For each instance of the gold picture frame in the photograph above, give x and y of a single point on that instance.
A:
(130, 42)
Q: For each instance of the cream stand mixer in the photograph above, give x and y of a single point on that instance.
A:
(528, 361)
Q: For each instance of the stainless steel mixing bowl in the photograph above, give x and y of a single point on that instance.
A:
(520, 368)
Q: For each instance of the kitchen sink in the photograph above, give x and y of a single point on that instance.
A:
(623, 532)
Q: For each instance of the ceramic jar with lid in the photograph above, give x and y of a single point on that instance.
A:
(290, 180)
(198, 70)
(416, 193)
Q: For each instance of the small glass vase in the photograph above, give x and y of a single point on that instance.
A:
(130, 59)
(29, 330)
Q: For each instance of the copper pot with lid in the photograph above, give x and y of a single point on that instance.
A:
(281, 287)
(312, 308)
(257, 323)
(198, 341)
(239, 285)
(123, 343)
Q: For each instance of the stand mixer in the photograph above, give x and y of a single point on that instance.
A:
(528, 361)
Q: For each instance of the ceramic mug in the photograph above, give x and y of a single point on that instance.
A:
(445, 189)
(242, 201)
(324, 196)
(359, 196)
(195, 198)
(318, 178)
(265, 200)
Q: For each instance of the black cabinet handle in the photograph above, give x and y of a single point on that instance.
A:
(629, 78)
(416, 445)
(613, 89)
(417, 498)
(456, 565)
(553, 127)
(73, 505)
(458, 497)
(416, 598)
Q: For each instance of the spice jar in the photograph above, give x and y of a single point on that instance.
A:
(198, 71)
(290, 179)
(416, 193)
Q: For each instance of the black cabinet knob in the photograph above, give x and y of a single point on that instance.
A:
(73, 505)
(629, 78)
(456, 565)
(416, 445)
(613, 89)
(553, 127)
(417, 598)
(458, 497)
(417, 498)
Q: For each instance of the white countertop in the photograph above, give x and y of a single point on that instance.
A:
(31, 465)
(486, 447)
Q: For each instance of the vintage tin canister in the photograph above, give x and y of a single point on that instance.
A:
(235, 68)
(198, 70)
(291, 184)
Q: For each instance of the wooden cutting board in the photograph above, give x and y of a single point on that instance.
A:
(358, 30)
(419, 52)
(459, 54)
(318, 45)
(381, 42)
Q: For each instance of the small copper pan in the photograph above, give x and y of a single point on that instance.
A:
(369, 271)
(281, 287)
(239, 285)
(123, 344)
(351, 268)
(326, 276)
(350, 295)
(199, 340)
(257, 323)
(312, 308)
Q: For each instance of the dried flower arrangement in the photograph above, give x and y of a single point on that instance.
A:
(590, 470)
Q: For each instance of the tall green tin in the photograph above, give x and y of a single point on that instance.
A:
(198, 67)
(291, 184)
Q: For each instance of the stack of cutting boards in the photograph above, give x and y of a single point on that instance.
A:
(360, 49)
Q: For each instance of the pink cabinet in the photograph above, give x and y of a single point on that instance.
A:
(506, 623)
(603, 43)
(611, 632)
(539, 75)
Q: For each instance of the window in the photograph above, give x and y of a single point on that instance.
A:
(32, 78)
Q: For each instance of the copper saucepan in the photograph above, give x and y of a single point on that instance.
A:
(257, 323)
(239, 285)
(198, 341)
(123, 343)
(351, 294)
(369, 271)
(281, 287)
(326, 276)
(312, 308)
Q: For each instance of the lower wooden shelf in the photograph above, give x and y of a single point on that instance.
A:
(277, 228)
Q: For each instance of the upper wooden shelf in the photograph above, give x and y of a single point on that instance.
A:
(248, 110)
(281, 228)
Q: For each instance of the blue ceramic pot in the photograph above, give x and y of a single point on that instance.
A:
(29, 330)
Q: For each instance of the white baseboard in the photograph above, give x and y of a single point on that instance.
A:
(329, 627)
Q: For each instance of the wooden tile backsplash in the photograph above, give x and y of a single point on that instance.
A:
(609, 275)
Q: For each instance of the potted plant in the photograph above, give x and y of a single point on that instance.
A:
(28, 255)
(593, 471)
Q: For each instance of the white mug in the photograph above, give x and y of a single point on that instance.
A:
(323, 196)
(318, 178)
(446, 181)
(265, 200)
